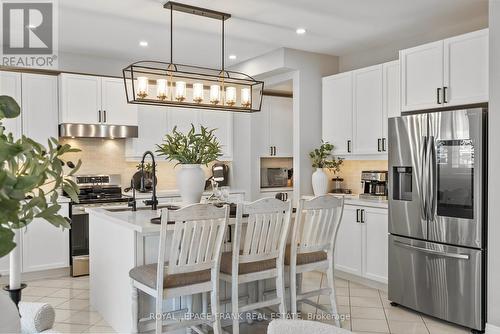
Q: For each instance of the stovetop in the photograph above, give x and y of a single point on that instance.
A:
(95, 194)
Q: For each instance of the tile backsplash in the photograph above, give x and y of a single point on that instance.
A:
(351, 170)
(107, 156)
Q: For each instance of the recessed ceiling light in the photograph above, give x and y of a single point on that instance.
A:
(232, 57)
(300, 31)
(143, 43)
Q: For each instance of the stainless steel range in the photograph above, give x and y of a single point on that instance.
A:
(437, 215)
(95, 191)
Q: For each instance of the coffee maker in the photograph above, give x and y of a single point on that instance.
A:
(374, 185)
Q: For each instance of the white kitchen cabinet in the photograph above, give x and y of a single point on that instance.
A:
(362, 243)
(368, 110)
(152, 127)
(376, 251)
(115, 108)
(281, 126)
(392, 103)
(223, 123)
(337, 123)
(466, 68)
(274, 124)
(94, 100)
(80, 98)
(182, 118)
(10, 85)
(44, 245)
(40, 108)
(449, 72)
(421, 76)
(348, 248)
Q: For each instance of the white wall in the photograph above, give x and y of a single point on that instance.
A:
(82, 63)
(493, 167)
(306, 69)
(388, 52)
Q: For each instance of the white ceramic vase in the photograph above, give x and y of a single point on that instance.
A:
(319, 182)
(191, 183)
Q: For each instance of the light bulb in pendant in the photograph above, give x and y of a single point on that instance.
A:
(142, 87)
(214, 94)
(231, 96)
(180, 91)
(161, 89)
(246, 98)
(198, 92)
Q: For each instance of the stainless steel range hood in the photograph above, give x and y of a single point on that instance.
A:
(97, 131)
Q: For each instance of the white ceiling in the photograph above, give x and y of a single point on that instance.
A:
(113, 28)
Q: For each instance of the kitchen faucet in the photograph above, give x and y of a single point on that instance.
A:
(153, 201)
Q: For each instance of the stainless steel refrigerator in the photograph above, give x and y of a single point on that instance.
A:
(437, 214)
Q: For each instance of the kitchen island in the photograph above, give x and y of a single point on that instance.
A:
(120, 239)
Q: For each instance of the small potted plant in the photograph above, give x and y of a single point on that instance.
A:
(322, 158)
(191, 150)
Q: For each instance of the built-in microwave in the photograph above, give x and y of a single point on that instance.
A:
(274, 177)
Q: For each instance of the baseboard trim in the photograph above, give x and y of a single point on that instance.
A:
(492, 329)
(42, 274)
(361, 280)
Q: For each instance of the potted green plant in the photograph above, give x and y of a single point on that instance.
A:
(191, 150)
(31, 177)
(322, 158)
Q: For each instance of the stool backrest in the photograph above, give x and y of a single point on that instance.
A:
(197, 237)
(316, 223)
(266, 229)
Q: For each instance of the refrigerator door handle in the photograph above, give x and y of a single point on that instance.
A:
(432, 251)
(431, 181)
(424, 176)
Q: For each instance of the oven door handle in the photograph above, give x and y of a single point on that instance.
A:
(432, 251)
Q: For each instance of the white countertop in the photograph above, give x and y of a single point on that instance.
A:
(355, 200)
(173, 193)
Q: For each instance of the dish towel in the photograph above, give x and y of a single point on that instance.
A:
(36, 317)
(279, 326)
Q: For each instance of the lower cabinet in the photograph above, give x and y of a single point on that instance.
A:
(361, 247)
(43, 246)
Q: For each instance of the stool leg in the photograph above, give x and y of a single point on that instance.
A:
(234, 305)
(333, 299)
(214, 304)
(299, 291)
(189, 305)
(135, 309)
(293, 291)
(280, 289)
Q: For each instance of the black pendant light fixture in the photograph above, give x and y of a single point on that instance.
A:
(173, 84)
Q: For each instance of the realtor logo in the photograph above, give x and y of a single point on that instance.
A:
(29, 33)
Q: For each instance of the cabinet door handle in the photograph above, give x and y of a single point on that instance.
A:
(384, 148)
(444, 94)
(362, 215)
(379, 142)
(271, 148)
(348, 146)
(274, 148)
(438, 93)
(104, 114)
(357, 216)
(99, 116)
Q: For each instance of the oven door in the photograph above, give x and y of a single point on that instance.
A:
(455, 165)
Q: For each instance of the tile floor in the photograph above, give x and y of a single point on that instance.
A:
(367, 310)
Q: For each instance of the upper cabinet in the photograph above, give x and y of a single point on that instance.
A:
(337, 96)
(155, 122)
(10, 85)
(39, 112)
(92, 100)
(36, 94)
(274, 126)
(115, 108)
(356, 105)
(449, 72)
(368, 110)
